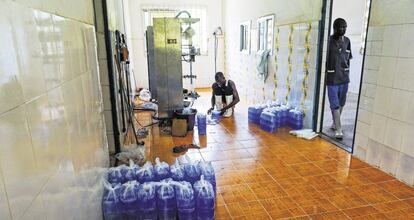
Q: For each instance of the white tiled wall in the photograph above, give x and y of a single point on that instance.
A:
(52, 133)
(241, 67)
(388, 91)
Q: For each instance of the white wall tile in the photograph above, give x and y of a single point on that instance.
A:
(390, 44)
(45, 51)
(366, 103)
(363, 128)
(370, 90)
(405, 171)
(17, 161)
(36, 210)
(377, 129)
(407, 33)
(394, 134)
(407, 145)
(405, 77)
(360, 152)
(11, 93)
(399, 104)
(372, 62)
(382, 100)
(370, 76)
(31, 50)
(409, 117)
(4, 203)
(389, 160)
(361, 141)
(374, 152)
(387, 71)
(365, 116)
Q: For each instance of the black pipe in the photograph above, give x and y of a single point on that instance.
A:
(111, 78)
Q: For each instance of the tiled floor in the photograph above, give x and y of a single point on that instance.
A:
(272, 176)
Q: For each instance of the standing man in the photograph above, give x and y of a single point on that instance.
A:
(225, 95)
(337, 72)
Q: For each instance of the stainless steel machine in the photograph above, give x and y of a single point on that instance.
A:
(166, 53)
(164, 65)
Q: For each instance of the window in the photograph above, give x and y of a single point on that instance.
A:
(245, 37)
(200, 37)
(265, 33)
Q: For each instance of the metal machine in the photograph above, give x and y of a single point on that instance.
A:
(164, 65)
(165, 53)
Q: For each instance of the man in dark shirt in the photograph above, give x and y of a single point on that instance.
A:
(225, 95)
(337, 72)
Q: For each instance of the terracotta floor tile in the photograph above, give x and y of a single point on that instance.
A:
(391, 206)
(410, 202)
(374, 175)
(261, 153)
(360, 211)
(252, 143)
(400, 214)
(291, 159)
(307, 169)
(224, 165)
(279, 173)
(316, 156)
(337, 215)
(372, 193)
(297, 186)
(398, 189)
(236, 193)
(245, 209)
(312, 204)
(350, 178)
(267, 190)
(356, 163)
(246, 164)
(331, 166)
(258, 216)
(221, 212)
(322, 182)
(344, 198)
(219, 200)
(378, 216)
(255, 175)
(282, 208)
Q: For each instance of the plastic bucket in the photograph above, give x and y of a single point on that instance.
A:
(190, 117)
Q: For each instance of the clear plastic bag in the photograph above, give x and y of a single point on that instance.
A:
(145, 95)
(162, 170)
(147, 201)
(166, 201)
(132, 152)
(185, 200)
(111, 203)
(207, 170)
(177, 171)
(115, 176)
(129, 199)
(192, 171)
(145, 173)
(205, 199)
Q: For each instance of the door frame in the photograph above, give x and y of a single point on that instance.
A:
(319, 79)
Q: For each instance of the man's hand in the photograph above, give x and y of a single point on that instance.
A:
(222, 111)
(209, 111)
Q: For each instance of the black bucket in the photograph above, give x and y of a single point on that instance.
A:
(190, 117)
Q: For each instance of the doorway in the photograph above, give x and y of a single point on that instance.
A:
(356, 15)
